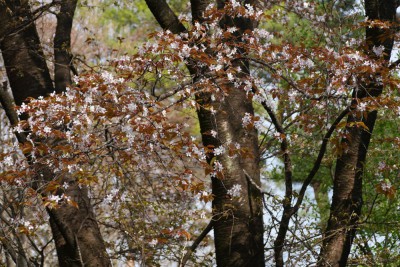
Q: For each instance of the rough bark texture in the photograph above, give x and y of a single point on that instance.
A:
(238, 224)
(347, 191)
(26, 68)
(77, 236)
(76, 233)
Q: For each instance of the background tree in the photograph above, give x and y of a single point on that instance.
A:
(347, 189)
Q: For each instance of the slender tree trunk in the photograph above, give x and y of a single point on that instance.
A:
(347, 190)
(62, 46)
(77, 236)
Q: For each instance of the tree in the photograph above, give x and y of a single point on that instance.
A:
(347, 189)
(75, 229)
(237, 225)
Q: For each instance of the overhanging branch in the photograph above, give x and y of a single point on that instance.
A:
(165, 16)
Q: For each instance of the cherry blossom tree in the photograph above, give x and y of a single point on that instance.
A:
(106, 154)
(75, 231)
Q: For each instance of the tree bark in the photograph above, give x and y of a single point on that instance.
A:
(76, 232)
(238, 225)
(23, 56)
(347, 189)
(77, 236)
(165, 16)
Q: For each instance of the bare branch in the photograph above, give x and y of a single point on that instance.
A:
(165, 16)
(196, 243)
(287, 208)
(394, 64)
(320, 156)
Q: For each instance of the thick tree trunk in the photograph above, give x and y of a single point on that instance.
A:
(23, 57)
(346, 205)
(77, 236)
(347, 190)
(238, 225)
(75, 231)
(239, 232)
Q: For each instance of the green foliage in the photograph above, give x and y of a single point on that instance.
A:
(130, 15)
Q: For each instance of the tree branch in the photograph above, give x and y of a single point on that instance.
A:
(284, 149)
(196, 243)
(320, 156)
(288, 210)
(394, 64)
(165, 16)
(287, 206)
(7, 102)
(8, 246)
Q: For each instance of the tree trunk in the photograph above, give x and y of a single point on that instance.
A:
(347, 189)
(75, 231)
(238, 225)
(77, 236)
(62, 46)
(23, 57)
